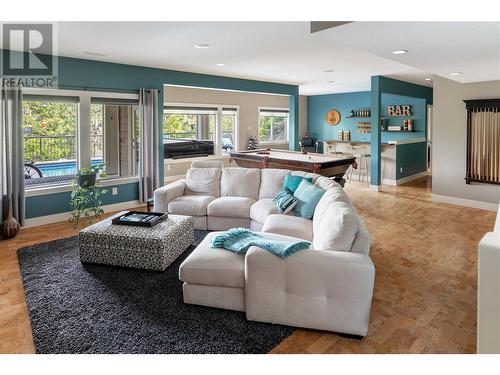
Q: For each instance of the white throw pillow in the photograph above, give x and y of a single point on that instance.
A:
(336, 228)
(271, 181)
(203, 181)
(240, 182)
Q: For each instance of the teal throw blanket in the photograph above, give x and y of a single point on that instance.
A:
(239, 240)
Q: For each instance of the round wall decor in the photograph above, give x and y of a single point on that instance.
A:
(333, 117)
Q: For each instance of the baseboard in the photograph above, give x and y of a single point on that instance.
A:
(64, 216)
(464, 202)
(404, 180)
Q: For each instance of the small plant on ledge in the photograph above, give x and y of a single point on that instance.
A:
(86, 195)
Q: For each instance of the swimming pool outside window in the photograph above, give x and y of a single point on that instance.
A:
(50, 126)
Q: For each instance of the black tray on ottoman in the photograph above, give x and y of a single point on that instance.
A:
(149, 219)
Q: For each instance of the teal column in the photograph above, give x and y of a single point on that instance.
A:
(161, 154)
(293, 129)
(375, 163)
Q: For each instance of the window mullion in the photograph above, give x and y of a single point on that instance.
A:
(218, 132)
(84, 154)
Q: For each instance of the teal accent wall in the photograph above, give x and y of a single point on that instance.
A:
(91, 75)
(419, 117)
(382, 88)
(376, 134)
(49, 204)
(412, 157)
(384, 91)
(319, 105)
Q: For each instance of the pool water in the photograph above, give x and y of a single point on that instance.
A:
(61, 168)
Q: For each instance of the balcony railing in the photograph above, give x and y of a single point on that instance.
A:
(58, 147)
(184, 135)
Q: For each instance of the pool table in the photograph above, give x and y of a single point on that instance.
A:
(326, 165)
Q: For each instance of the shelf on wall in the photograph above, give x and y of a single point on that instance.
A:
(358, 116)
(398, 131)
(384, 117)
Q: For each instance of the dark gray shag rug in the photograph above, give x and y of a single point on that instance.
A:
(77, 308)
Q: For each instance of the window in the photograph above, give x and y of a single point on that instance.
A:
(273, 126)
(189, 123)
(50, 126)
(114, 136)
(229, 124)
(192, 131)
(60, 137)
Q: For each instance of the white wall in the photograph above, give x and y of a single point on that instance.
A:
(248, 103)
(449, 139)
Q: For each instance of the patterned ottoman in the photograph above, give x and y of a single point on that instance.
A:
(139, 247)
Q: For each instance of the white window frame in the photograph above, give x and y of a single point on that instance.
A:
(287, 138)
(83, 134)
(218, 125)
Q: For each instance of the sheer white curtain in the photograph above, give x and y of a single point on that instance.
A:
(11, 154)
(149, 171)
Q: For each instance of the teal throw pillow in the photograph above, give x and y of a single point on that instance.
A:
(284, 200)
(292, 182)
(308, 197)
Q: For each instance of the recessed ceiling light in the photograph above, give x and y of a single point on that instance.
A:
(328, 71)
(455, 73)
(202, 45)
(428, 79)
(399, 52)
(220, 64)
(331, 81)
(293, 75)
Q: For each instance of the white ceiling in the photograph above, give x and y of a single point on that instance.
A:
(471, 48)
(287, 52)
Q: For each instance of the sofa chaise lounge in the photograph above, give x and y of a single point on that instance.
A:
(328, 287)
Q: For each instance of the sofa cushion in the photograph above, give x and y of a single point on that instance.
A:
(292, 182)
(326, 183)
(308, 197)
(271, 181)
(334, 194)
(203, 181)
(190, 205)
(216, 267)
(314, 176)
(231, 207)
(289, 226)
(261, 209)
(337, 227)
(240, 182)
(285, 201)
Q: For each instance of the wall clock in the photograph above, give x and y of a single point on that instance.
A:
(333, 117)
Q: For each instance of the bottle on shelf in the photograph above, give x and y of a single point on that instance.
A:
(410, 125)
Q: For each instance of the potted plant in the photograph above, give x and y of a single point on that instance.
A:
(86, 194)
(87, 177)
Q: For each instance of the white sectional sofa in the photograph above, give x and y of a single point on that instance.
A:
(328, 287)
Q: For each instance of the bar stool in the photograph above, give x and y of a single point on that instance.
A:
(362, 159)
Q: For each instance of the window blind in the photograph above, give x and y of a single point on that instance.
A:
(51, 98)
(114, 101)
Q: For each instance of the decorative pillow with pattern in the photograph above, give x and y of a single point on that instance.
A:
(285, 201)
